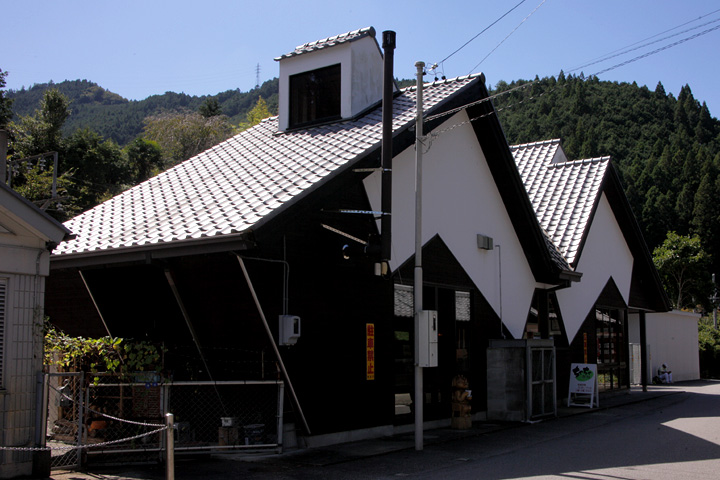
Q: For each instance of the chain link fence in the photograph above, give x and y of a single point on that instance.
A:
(108, 419)
(63, 427)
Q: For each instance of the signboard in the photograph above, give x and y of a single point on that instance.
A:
(583, 385)
(370, 351)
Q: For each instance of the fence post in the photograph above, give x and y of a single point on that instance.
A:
(170, 447)
(79, 396)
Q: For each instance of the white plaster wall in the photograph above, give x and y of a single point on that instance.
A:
(672, 338)
(460, 200)
(606, 255)
(366, 74)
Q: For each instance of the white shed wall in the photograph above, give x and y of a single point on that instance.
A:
(672, 338)
(22, 362)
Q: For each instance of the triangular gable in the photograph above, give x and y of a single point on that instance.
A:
(585, 212)
(468, 191)
(563, 193)
(19, 213)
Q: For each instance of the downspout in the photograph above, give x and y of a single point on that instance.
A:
(387, 149)
(274, 345)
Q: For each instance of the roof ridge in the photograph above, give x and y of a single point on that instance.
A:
(445, 81)
(582, 161)
(551, 141)
(330, 41)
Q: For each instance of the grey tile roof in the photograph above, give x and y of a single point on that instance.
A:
(329, 42)
(240, 183)
(563, 193)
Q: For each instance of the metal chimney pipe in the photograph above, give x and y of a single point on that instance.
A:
(387, 153)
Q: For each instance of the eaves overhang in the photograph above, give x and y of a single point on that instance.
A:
(148, 253)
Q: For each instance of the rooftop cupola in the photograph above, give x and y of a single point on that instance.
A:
(332, 79)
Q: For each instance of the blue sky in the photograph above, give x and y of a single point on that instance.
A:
(141, 48)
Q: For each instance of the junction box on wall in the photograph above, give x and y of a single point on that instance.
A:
(289, 329)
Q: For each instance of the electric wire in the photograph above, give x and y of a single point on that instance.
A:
(651, 37)
(628, 50)
(534, 82)
(483, 31)
(508, 35)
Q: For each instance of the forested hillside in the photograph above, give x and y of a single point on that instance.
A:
(666, 149)
(122, 120)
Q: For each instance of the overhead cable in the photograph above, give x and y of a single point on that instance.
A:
(508, 36)
(483, 31)
(628, 50)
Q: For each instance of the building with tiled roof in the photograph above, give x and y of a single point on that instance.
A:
(27, 236)
(582, 207)
(284, 221)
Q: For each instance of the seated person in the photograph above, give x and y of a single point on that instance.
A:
(665, 374)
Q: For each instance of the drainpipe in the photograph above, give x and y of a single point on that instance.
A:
(387, 153)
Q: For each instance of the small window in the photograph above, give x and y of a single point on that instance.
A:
(404, 301)
(315, 96)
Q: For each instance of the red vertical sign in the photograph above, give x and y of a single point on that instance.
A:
(370, 351)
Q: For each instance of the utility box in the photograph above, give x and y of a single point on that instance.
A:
(427, 355)
(289, 329)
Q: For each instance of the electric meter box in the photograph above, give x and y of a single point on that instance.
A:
(427, 346)
(289, 329)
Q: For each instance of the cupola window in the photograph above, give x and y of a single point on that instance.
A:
(315, 96)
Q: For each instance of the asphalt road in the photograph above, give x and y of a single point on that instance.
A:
(671, 437)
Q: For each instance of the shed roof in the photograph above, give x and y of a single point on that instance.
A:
(563, 193)
(240, 183)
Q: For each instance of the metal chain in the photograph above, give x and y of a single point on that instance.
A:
(109, 416)
(79, 447)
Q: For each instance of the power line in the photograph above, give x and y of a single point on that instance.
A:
(508, 36)
(628, 50)
(530, 84)
(483, 31)
(653, 36)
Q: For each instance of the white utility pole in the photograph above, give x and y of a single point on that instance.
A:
(418, 279)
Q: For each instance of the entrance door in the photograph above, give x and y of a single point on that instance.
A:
(454, 347)
(611, 349)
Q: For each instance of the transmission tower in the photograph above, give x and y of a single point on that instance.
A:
(257, 76)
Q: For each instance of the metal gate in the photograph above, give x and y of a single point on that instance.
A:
(63, 420)
(111, 419)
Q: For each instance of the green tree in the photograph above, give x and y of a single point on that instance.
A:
(210, 108)
(144, 159)
(98, 165)
(183, 135)
(5, 102)
(256, 114)
(41, 132)
(682, 264)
